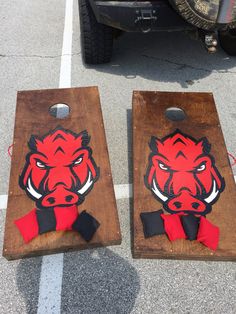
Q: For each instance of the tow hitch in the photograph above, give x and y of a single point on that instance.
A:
(209, 40)
(145, 19)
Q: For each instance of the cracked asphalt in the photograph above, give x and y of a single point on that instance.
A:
(35, 56)
(184, 65)
(108, 280)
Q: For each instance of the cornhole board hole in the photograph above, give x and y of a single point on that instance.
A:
(180, 165)
(65, 164)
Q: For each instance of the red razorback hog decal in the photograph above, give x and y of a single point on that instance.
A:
(182, 174)
(59, 169)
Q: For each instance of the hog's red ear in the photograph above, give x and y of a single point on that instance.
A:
(34, 142)
(84, 138)
(154, 143)
(206, 146)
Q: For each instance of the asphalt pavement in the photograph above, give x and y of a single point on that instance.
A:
(109, 280)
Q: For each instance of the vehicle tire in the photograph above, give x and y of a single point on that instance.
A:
(227, 41)
(204, 14)
(96, 38)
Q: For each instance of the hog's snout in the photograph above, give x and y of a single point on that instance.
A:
(60, 196)
(185, 201)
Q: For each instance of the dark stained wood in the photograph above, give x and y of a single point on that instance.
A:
(202, 120)
(32, 117)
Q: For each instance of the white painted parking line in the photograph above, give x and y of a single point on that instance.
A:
(49, 301)
(3, 201)
(123, 191)
(65, 70)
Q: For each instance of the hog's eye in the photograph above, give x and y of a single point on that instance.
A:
(201, 167)
(40, 165)
(78, 161)
(163, 166)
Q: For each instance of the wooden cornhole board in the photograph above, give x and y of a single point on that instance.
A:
(201, 121)
(32, 117)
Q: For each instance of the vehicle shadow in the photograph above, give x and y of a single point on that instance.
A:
(98, 281)
(165, 57)
(94, 281)
(28, 278)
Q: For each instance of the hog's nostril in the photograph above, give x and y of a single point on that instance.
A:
(195, 205)
(51, 200)
(178, 204)
(69, 198)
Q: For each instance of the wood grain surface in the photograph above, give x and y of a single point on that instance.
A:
(201, 120)
(32, 117)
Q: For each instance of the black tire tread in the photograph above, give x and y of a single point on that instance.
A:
(96, 38)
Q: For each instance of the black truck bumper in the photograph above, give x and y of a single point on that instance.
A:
(138, 16)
